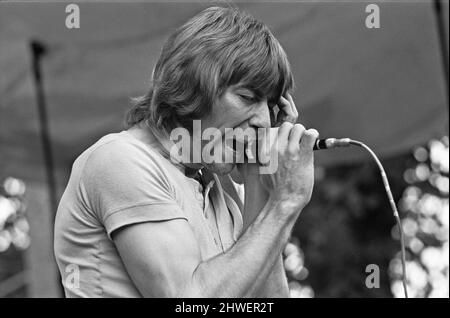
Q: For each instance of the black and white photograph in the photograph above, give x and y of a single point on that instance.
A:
(200, 150)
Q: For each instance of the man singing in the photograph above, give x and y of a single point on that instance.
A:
(136, 223)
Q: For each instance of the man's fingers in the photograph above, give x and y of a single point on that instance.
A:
(287, 112)
(308, 139)
(283, 135)
(264, 146)
(291, 101)
(294, 139)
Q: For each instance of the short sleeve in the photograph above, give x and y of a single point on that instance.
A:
(126, 183)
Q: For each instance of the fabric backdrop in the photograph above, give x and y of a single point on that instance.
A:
(382, 86)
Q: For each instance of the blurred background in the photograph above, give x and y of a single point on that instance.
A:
(61, 89)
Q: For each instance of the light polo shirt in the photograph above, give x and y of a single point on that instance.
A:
(120, 181)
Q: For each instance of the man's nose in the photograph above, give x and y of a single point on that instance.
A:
(261, 116)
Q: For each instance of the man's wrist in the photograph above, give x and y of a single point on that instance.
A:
(287, 206)
(281, 212)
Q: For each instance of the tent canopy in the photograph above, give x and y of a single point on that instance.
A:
(383, 86)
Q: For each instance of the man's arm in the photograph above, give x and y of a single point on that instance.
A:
(256, 197)
(163, 258)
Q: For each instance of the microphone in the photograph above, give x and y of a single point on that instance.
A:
(251, 152)
(330, 143)
(319, 144)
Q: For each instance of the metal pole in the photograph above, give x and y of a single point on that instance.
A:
(38, 51)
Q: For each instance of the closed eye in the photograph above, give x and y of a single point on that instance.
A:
(249, 99)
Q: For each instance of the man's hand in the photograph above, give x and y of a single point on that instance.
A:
(287, 111)
(292, 183)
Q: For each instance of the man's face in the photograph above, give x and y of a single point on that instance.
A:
(238, 107)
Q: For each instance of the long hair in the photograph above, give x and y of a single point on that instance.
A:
(215, 49)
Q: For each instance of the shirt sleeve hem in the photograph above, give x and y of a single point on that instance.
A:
(150, 212)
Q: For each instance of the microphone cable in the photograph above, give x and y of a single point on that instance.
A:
(345, 142)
